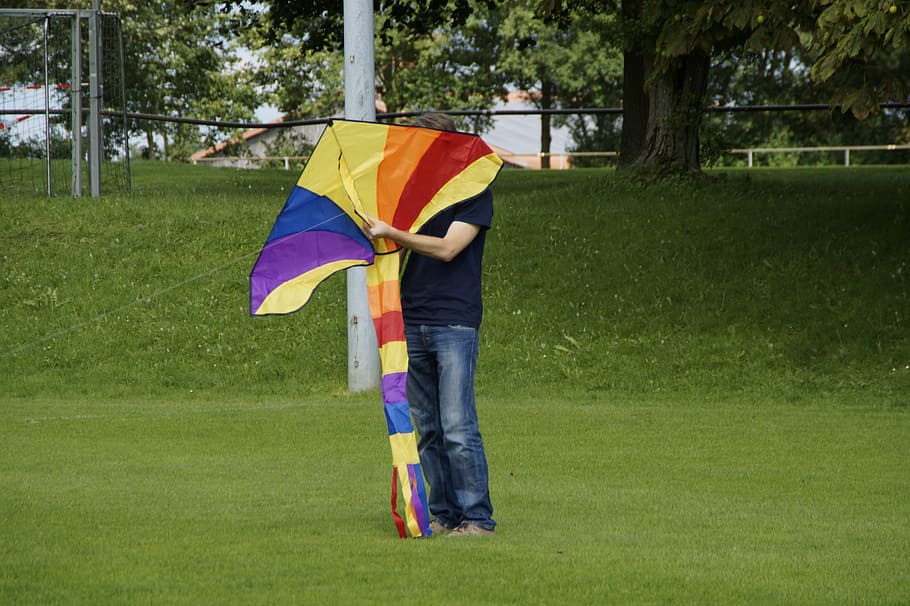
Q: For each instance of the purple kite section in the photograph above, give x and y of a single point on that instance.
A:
(296, 255)
(393, 387)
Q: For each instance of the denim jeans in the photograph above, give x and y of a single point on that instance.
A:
(441, 365)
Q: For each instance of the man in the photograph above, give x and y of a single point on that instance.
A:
(442, 309)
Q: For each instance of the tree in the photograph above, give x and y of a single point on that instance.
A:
(740, 78)
(442, 68)
(569, 65)
(666, 64)
(449, 68)
(300, 82)
(180, 64)
(863, 46)
(669, 46)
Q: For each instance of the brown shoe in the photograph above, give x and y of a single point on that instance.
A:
(438, 528)
(472, 530)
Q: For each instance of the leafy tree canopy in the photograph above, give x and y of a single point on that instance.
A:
(862, 47)
(848, 40)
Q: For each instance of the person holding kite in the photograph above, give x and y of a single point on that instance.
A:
(367, 191)
(442, 309)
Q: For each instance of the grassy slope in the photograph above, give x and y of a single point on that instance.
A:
(783, 284)
(766, 283)
(690, 393)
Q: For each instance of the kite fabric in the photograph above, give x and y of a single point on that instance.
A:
(401, 175)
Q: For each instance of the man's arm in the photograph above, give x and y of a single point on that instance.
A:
(446, 248)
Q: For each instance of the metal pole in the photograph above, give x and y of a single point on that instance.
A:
(76, 105)
(95, 98)
(126, 132)
(360, 104)
(47, 109)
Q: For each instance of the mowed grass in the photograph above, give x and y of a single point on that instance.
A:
(598, 502)
(690, 392)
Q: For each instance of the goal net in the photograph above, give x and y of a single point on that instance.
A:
(62, 107)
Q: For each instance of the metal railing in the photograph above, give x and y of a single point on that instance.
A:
(750, 152)
(564, 160)
(241, 160)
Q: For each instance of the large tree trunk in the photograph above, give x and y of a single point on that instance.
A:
(150, 142)
(675, 108)
(634, 95)
(662, 112)
(546, 102)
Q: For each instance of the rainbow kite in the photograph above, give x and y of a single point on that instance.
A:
(404, 176)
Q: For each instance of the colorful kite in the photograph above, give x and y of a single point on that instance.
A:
(404, 176)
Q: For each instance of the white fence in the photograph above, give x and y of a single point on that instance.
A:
(750, 152)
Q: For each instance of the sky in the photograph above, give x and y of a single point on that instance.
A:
(521, 134)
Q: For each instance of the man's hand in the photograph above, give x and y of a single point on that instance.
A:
(375, 229)
(445, 249)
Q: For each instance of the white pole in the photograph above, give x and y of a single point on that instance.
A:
(47, 108)
(95, 146)
(76, 105)
(360, 104)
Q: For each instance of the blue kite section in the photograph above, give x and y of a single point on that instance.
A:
(308, 211)
(398, 418)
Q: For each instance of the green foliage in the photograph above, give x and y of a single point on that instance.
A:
(445, 68)
(445, 54)
(575, 57)
(178, 64)
(861, 46)
(570, 64)
(853, 37)
(448, 69)
(322, 23)
(782, 78)
(311, 83)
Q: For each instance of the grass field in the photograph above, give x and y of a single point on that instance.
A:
(691, 392)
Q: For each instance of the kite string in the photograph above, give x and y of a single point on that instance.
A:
(146, 299)
(104, 315)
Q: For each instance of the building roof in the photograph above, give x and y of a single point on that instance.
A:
(246, 135)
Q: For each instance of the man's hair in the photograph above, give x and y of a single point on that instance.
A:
(435, 120)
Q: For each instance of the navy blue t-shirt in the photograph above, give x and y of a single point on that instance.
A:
(437, 293)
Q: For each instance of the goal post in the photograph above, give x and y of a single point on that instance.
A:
(62, 102)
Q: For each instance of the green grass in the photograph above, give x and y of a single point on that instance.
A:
(691, 392)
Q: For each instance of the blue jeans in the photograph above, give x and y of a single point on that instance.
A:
(441, 365)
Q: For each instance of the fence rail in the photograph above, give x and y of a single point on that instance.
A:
(750, 152)
(565, 159)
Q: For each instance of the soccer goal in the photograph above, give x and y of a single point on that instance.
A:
(63, 122)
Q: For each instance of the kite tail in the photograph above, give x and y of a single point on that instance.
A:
(416, 521)
(385, 307)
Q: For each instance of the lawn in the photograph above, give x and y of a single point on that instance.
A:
(691, 392)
